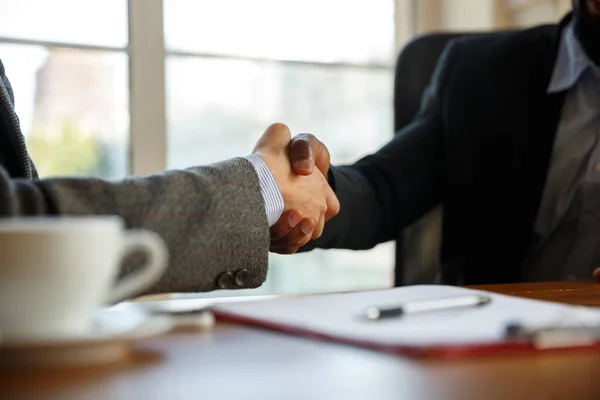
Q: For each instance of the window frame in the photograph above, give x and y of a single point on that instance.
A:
(147, 55)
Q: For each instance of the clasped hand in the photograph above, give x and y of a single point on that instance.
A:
(308, 199)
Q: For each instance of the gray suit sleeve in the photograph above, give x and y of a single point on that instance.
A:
(212, 217)
(387, 191)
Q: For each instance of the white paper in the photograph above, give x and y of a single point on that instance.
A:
(342, 316)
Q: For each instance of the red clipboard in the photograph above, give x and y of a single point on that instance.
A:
(433, 352)
(228, 313)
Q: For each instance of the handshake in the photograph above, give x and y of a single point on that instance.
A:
(307, 197)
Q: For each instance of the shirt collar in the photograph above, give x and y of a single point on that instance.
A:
(570, 63)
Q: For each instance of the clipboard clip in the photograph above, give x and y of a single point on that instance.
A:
(554, 337)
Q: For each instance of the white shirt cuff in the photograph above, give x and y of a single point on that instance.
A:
(269, 189)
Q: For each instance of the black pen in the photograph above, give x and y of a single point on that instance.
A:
(421, 306)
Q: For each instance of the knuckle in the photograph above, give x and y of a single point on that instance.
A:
(307, 137)
(277, 232)
(335, 208)
(323, 208)
(305, 238)
(311, 138)
(279, 126)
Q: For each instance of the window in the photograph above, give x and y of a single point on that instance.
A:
(481, 15)
(117, 87)
(69, 73)
(300, 62)
(231, 74)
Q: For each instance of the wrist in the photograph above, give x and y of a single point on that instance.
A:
(269, 187)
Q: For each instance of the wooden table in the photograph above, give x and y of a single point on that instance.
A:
(235, 362)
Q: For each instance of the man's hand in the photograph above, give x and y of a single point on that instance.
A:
(292, 231)
(308, 199)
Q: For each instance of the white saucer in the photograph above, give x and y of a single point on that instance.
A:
(108, 341)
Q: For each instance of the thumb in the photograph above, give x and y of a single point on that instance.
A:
(301, 155)
(306, 152)
(276, 137)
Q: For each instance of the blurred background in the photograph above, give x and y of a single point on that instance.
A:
(97, 81)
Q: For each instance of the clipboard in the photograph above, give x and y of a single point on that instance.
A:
(461, 333)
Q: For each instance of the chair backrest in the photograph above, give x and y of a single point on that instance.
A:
(417, 251)
(414, 69)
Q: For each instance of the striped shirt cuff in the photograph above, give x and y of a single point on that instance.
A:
(269, 189)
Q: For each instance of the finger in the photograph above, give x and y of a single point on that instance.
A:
(301, 155)
(304, 240)
(295, 249)
(322, 157)
(290, 249)
(286, 250)
(291, 242)
(296, 236)
(319, 229)
(597, 275)
(285, 224)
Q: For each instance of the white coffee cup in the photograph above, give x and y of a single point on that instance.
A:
(56, 272)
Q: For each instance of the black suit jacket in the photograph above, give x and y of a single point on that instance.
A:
(481, 146)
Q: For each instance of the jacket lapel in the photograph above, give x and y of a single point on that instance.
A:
(533, 150)
(520, 148)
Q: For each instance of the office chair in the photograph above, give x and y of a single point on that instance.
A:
(417, 250)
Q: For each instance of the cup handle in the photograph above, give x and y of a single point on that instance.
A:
(148, 274)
